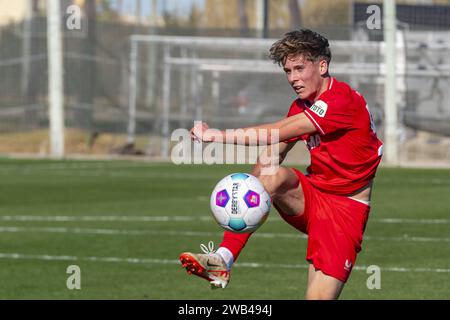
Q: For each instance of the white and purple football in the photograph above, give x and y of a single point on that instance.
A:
(240, 203)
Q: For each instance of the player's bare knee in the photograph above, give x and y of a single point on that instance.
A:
(323, 287)
(279, 183)
(270, 183)
(320, 295)
(256, 171)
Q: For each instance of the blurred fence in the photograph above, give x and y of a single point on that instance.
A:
(230, 83)
(125, 93)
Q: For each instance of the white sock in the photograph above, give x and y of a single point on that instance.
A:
(227, 256)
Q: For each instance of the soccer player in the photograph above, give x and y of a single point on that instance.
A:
(331, 201)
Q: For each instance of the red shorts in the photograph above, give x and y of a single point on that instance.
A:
(335, 226)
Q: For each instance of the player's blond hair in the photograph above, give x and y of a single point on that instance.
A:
(310, 44)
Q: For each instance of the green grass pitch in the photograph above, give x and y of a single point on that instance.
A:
(124, 224)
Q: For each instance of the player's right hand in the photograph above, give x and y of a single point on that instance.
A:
(197, 132)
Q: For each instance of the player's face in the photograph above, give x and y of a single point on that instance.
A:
(305, 76)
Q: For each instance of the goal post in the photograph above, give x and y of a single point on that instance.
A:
(390, 87)
(55, 79)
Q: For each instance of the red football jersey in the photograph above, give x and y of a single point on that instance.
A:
(345, 151)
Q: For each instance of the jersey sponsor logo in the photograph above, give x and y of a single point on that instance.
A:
(319, 108)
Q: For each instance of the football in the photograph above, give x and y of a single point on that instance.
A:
(239, 203)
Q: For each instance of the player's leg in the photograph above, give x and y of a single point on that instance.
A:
(208, 265)
(285, 191)
(322, 286)
(335, 232)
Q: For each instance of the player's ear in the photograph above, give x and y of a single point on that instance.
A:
(323, 67)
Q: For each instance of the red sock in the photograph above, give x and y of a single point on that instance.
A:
(234, 242)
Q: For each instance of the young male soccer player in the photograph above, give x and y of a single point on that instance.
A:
(331, 202)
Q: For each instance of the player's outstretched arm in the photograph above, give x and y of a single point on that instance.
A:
(265, 134)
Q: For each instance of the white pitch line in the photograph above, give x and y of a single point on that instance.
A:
(19, 256)
(184, 218)
(106, 231)
(256, 265)
(413, 221)
(438, 181)
(110, 174)
(107, 218)
(13, 229)
(85, 165)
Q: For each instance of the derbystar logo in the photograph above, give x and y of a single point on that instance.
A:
(234, 198)
(319, 108)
